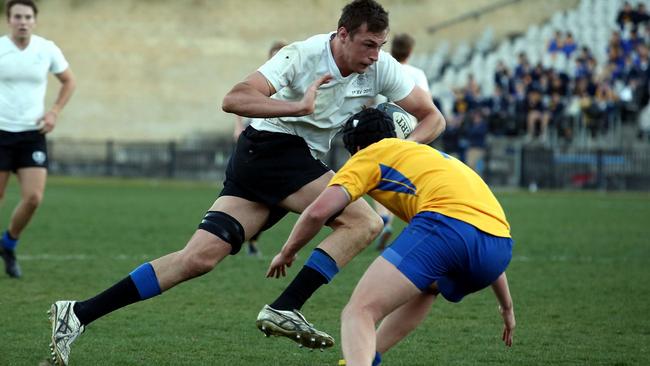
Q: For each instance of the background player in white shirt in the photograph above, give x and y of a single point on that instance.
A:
(300, 99)
(25, 61)
(401, 49)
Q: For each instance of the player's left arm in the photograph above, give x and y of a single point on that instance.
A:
(331, 201)
(68, 85)
(431, 123)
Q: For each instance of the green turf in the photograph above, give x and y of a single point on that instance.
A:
(579, 277)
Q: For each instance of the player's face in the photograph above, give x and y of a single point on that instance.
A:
(361, 50)
(21, 21)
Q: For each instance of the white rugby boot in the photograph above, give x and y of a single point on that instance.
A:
(293, 325)
(66, 327)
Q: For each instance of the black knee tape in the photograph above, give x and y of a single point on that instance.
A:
(225, 227)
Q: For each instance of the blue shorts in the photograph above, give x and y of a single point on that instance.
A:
(460, 257)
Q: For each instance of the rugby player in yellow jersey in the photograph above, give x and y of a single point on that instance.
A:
(457, 240)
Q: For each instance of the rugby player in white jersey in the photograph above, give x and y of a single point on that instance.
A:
(299, 100)
(401, 49)
(25, 61)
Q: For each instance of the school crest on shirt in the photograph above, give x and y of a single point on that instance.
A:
(361, 85)
(39, 157)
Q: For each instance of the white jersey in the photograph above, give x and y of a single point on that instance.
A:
(418, 76)
(23, 81)
(295, 67)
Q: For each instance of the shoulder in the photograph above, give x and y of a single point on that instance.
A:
(44, 43)
(412, 70)
(5, 42)
(314, 44)
(310, 49)
(387, 60)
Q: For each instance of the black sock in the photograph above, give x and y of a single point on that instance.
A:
(119, 295)
(299, 290)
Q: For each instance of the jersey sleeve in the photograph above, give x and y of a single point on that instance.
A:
(58, 62)
(281, 69)
(421, 80)
(358, 176)
(394, 83)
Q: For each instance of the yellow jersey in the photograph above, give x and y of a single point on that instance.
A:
(408, 178)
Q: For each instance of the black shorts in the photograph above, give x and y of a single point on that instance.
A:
(22, 150)
(267, 167)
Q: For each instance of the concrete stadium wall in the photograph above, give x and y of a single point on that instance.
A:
(158, 69)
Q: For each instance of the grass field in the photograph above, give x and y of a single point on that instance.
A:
(580, 278)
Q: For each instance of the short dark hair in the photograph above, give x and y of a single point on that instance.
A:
(10, 3)
(402, 46)
(358, 12)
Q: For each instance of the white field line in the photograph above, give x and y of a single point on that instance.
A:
(70, 257)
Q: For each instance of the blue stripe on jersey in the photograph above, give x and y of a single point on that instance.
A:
(392, 180)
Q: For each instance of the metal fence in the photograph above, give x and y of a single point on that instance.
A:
(508, 163)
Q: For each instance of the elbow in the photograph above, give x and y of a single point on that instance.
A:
(316, 217)
(441, 124)
(228, 104)
(69, 84)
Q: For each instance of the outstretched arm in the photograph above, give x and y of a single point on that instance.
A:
(252, 98)
(332, 200)
(502, 292)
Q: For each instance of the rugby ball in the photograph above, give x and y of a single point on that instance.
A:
(404, 122)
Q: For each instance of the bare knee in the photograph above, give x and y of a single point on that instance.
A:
(355, 310)
(196, 264)
(365, 222)
(33, 200)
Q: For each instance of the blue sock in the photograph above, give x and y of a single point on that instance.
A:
(145, 281)
(323, 264)
(377, 359)
(8, 242)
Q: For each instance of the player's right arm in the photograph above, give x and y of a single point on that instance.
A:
(252, 98)
(506, 309)
(330, 202)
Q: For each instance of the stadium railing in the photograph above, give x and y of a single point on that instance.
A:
(508, 162)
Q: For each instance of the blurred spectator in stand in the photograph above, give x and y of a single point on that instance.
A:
(536, 115)
(641, 61)
(625, 16)
(615, 41)
(584, 63)
(475, 134)
(502, 77)
(461, 105)
(630, 43)
(520, 106)
(559, 83)
(569, 46)
(615, 63)
(536, 75)
(498, 111)
(451, 139)
(557, 117)
(599, 110)
(555, 44)
(472, 91)
(523, 66)
(641, 16)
